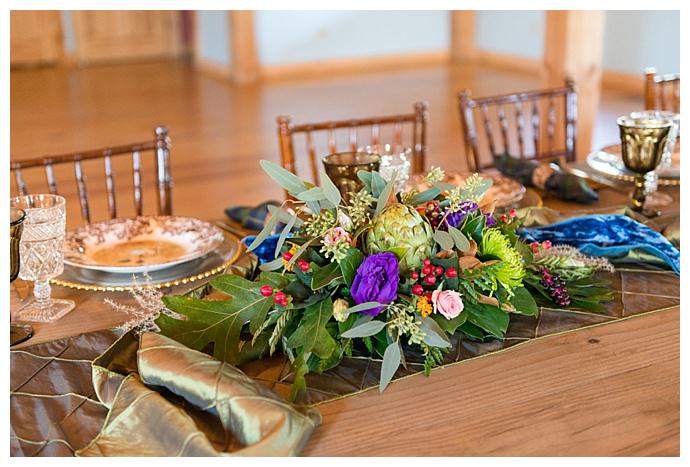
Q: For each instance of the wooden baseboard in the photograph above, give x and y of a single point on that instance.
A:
(624, 82)
(509, 62)
(214, 70)
(353, 65)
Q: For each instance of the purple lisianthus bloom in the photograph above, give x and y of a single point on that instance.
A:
(376, 280)
(490, 221)
(455, 218)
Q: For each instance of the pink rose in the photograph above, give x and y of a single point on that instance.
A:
(447, 302)
(336, 235)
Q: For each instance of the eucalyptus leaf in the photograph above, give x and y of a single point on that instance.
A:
(434, 335)
(363, 307)
(272, 265)
(283, 177)
(391, 362)
(312, 194)
(385, 194)
(459, 238)
(330, 190)
(283, 235)
(378, 184)
(267, 230)
(425, 196)
(444, 186)
(365, 176)
(444, 239)
(367, 329)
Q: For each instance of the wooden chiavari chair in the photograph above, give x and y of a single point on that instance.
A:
(417, 120)
(661, 92)
(522, 126)
(159, 147)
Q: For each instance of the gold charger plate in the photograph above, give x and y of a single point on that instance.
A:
(201, 268)
(504, 191)
(608, 162)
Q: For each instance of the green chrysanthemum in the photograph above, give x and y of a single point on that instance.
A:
(510, 271)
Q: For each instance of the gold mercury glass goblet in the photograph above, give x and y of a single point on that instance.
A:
(642, 146)
(18, 332)
(42, 254)
(342, 168)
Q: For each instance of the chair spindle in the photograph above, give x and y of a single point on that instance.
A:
(50, 178)
(136, 182)
(21, 184)
(520, 122)
(83, 196)
(110, 185)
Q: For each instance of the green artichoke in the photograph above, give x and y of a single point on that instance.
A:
(402, 231)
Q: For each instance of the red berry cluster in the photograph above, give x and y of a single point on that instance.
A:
(280, 298)
(429, 275)
(303, 265)
(536, 246)
(512, 214)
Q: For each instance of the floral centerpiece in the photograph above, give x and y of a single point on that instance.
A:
(382, 271)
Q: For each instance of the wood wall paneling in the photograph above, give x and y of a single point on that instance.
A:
(35, 38)
(103, 36)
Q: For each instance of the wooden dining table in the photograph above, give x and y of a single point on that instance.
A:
(606, 390)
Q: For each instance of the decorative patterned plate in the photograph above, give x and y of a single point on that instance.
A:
(608, 162)
(208, 265)
(504, 190)
(139, 244)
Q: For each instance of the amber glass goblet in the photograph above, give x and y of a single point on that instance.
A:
(643, 141)
(342, 168)
(18, 332)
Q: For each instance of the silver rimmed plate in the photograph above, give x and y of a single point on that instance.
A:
(139, 244)
(198, 269)
(609, 162)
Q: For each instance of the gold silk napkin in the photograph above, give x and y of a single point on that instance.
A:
(181, 402)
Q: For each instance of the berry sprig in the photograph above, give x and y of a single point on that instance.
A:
(512, 214)
(555, 286)
(429, 275)
(537, 247)
(303, 265)
(279, 298)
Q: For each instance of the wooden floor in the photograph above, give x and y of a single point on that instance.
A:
(220, 130)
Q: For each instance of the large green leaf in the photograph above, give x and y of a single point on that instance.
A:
(425, 196)
(444, 239)
(211, 321)
(450, 325)
(311, 334)
(461, 242)
(490, 318)
(245, 293)
(325, 275)
(367, 329)
(524, 302)
(349, 264)
(385, 194)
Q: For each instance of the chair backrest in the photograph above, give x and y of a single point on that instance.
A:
(417, 120)
(519, 118)
(159, 147)
(661, 92)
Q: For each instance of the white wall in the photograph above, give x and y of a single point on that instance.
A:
(213, 36)
(305, 36)
(638, 39)
(511, 32)
(633, 40)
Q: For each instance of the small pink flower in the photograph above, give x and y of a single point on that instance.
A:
(336, 235)
(447, 302)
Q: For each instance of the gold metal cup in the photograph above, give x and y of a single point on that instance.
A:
(18, 332)
(642, 147)
(342, 168)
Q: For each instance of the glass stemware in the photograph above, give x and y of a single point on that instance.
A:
(342, 168)
(643, 141)
(654, 197)
(42, 254)
(395, 159)
(18, 332)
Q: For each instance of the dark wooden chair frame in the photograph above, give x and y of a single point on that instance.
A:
(418, 119)
(468, 105)
(160, 147)
(655, 97)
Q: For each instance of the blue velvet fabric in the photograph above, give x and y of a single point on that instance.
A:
(606, 235)
(265, 252)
